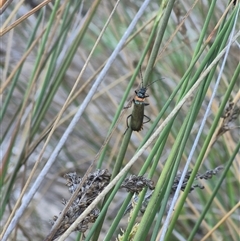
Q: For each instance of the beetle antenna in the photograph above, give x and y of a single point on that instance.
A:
(154, 81)
(141, 76)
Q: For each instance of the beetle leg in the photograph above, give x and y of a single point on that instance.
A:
(127, 124)
(147, 120)
(127, 120)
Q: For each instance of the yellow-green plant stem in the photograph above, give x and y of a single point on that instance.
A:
(147, 218)
(22, 107)
(211, 51)
(116, 169)
(186, 130)
(203, 150)
(53, 54)
(122, 152)
(101, 217)
(117, 219)
(126, 93)
(134, 215)
(198, 50)
(65, 64)
(154, 203)
(15, 78)
(164, 13)
(201, 97)
(206, 208)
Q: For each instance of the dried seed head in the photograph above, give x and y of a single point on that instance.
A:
(231, 113)
(207, 175)
(91, 188)
(136, 184)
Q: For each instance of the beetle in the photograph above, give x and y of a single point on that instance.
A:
(137, 115)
